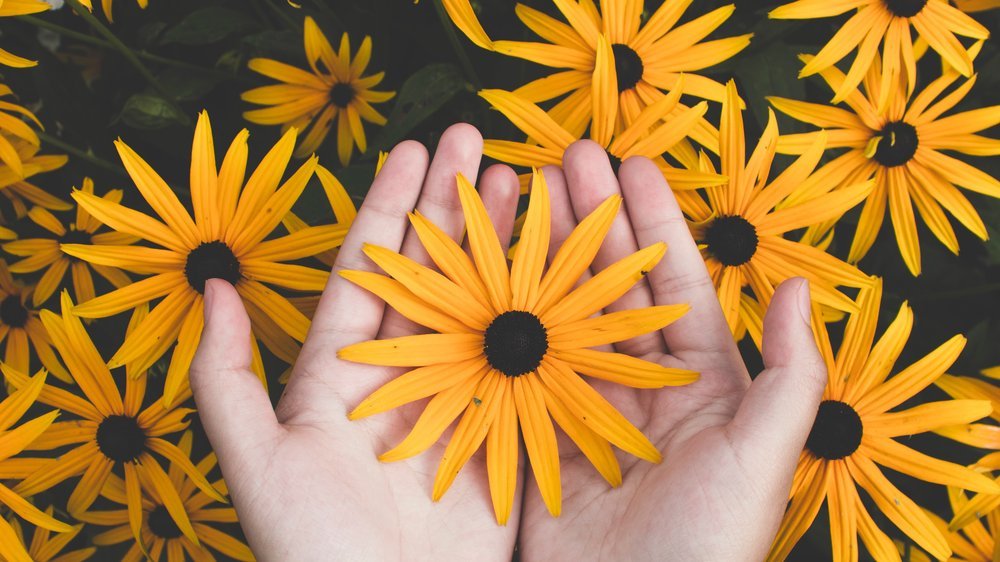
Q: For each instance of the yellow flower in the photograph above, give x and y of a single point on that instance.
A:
(14, 126)
(112, 432)
(10, 8)
(901, 149)
(159, 531)
(336, 91)
(510, 345)
(612, 66)
(44, 547)
(854, 430)
(21, 329)
(224, 239)
(13, 440)
(655, 131)
(742, 236)
(39, 253)
(106, 6)
(886, 22)
(20, 192)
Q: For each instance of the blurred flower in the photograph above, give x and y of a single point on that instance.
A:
(89, 60)
(334, 92)
(224, 240)
(47, 548)
(21, 329)
(14, 440)
(9, 8)
(20, 192)
(511, 345)
(160, 529)
(901, 149)
(41, 253)
(113, 432)
(613, 66)
(655, 131)
(854, 430)
(742, 236)
(887, 22)
(106, 6)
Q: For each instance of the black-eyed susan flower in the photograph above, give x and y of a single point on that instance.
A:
(655, 131)
(106, 6)
(975, 543)
(742, 236)
(887, 23)
(9, 8)
(225, 239)
(511, 345)
(160, 533)
(15, 187)
(855, 431)
(46, 253)
(13, 440)
(12, 124)
(610, 65)
(46, 547)
(336, 92)
(112, 431)
(903, 151)
(981, 435)
(21, 331)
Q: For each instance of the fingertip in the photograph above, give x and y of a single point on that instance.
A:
(406, 154)
(584, 150)
(465, 136)
(502, 180)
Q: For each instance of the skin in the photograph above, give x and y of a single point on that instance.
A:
(306, 481)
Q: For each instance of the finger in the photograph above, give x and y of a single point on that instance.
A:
(499, 190)
(778, 410)
(591, 181)
(563, 218)
(347, 313)
(681, 277)
(232, 403)
(458, 152)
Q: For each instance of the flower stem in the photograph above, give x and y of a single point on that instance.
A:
(456, 44)
(130, 56)
(82, 154)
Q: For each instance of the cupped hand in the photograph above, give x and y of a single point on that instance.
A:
(729, 446)
(304, 479)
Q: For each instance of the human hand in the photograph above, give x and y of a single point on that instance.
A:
(305, 480)
(730, 447)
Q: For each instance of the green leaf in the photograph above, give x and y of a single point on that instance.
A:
(209, 25)
(149, 112)
(423, 93)
(185, 85)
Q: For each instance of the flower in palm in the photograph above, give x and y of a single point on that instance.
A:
(510, 347)
(225, 239)
(47, 253)
(856, 429)
(335, 92)
(902, 150)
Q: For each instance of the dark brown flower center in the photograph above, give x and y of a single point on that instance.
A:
(905, 8)
(74, 236)
(731, 239)
(341, 94)
(211, 260)
(162, 524)
(121, 439)
(12, 312)
(898, 144)
(515, 342)
(837, 431)
(628, 66)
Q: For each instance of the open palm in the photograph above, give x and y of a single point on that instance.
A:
(729, 447)
(306, 481)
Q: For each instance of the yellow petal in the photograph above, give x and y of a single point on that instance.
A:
(415, 351)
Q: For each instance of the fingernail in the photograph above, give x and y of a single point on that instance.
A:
(209, 297)
(804, 301)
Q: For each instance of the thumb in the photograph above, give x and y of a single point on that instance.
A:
(232, 403)
(778, 410)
